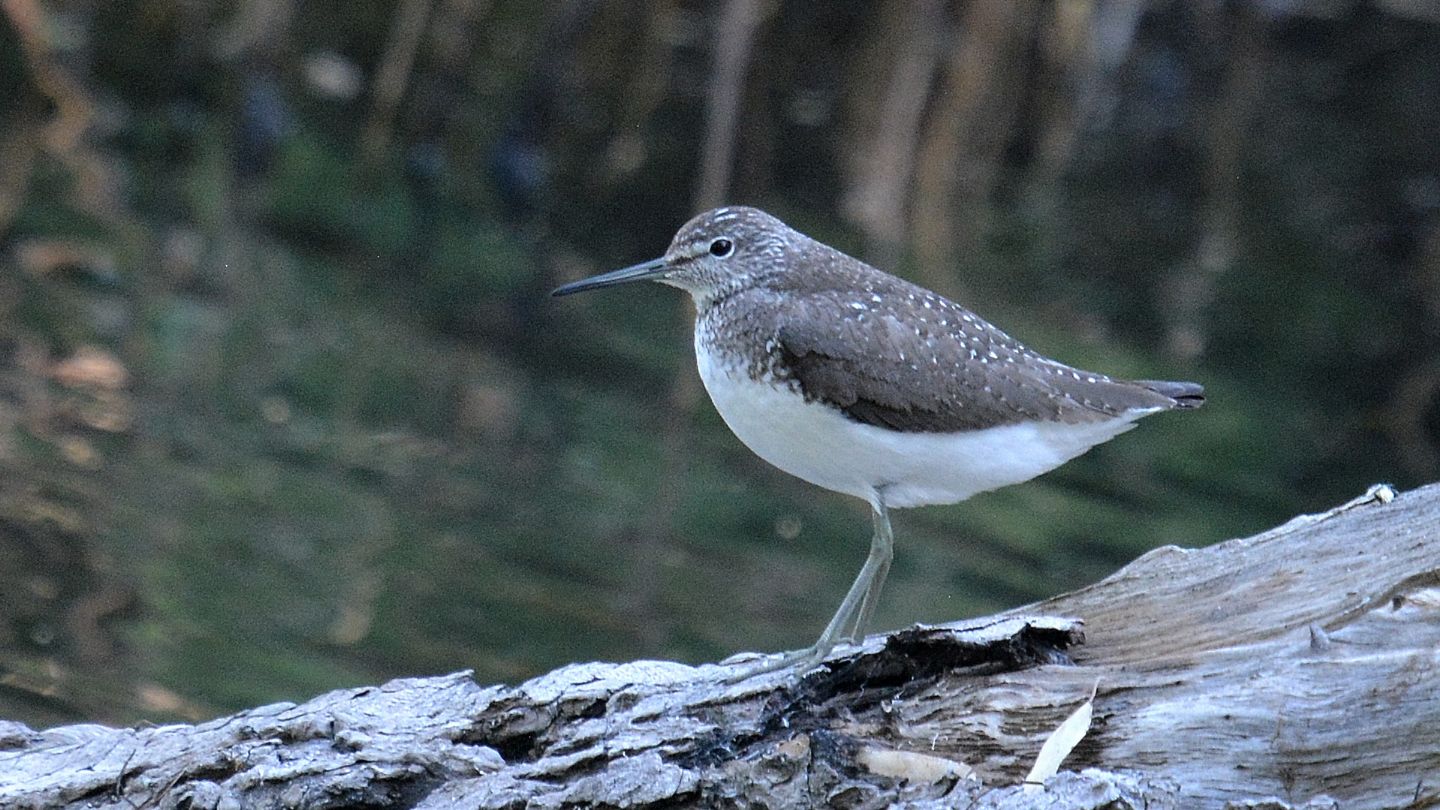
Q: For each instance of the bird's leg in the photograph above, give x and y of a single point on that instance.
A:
(884, 537)
(855, 610)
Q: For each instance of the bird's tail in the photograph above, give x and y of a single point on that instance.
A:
(1185, 394)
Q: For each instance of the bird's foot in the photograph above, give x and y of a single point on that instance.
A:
(797, 662)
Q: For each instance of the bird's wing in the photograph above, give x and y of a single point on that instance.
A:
(950, 372)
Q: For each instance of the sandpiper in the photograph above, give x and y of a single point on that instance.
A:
(866, 384)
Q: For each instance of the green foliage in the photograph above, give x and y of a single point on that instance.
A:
(321, 198)
(474, 261)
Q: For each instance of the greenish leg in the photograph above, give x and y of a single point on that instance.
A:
(883, 534)
(850, 621)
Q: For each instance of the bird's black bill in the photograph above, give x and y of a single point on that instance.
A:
(638, 272)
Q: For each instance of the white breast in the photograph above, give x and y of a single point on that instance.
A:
(821, 445)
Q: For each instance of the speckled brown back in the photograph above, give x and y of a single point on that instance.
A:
(889, 353)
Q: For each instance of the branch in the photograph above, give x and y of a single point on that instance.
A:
(1274, 671)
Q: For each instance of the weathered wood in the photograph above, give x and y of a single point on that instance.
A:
(1295, 668)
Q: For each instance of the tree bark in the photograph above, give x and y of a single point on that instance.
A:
(1295, 668)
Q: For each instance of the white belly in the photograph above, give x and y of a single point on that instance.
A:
(824, 447)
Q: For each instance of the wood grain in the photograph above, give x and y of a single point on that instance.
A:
(1296, 668)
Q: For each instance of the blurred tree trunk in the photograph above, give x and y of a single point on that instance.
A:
(20, 144)
(24, 112)
(73, 111)
(965, 135)
(734, 43)
(393, 76)
(1232, 111)
(882, 171)
(1084, 43)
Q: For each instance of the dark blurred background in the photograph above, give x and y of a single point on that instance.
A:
(284, 405)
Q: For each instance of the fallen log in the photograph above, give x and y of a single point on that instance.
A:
(1296, 668)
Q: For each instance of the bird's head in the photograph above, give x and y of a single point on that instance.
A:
(714, 254)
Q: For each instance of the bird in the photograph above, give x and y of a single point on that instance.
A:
(866, 384)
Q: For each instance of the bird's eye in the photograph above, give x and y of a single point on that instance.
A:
(721, 248)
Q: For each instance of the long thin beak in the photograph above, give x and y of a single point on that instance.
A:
(638, 272)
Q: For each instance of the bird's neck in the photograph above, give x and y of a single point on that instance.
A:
(739, 331)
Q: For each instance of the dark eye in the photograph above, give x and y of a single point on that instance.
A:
(722, 248)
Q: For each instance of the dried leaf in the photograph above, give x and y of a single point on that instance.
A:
(93, 368)
(1059, 744)
(912, 766)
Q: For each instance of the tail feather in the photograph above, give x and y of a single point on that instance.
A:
(1185, 394)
